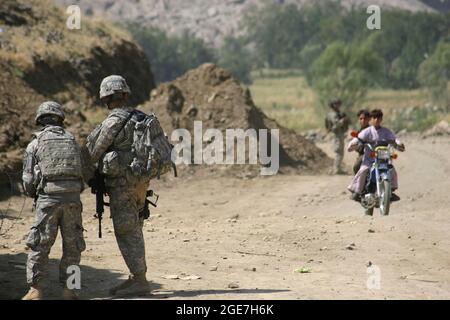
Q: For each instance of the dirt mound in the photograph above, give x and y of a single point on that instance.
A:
(41, 59)
(64, 63)
(210, 94)
(440, 129)
(17, 111)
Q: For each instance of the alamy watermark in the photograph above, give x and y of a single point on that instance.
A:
(374, 279)
(374, 20)
(230, 149)
(73, 281)
(73, 22)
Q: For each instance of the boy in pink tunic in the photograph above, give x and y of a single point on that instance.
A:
(372, 134)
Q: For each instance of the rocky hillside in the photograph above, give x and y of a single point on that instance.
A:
(40, 59)
(210, 20)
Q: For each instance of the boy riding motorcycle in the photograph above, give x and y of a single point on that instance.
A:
(363, 119)
(372, 135)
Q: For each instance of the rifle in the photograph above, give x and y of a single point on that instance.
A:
(145, 212)
(98, 188)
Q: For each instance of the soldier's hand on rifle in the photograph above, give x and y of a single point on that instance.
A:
(92, 183)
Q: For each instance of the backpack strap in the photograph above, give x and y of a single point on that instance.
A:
(130, 115)
(128, 118)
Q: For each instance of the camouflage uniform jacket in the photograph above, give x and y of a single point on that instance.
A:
(333, 123)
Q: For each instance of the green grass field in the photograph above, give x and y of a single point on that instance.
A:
(289, 100)
(292, 102)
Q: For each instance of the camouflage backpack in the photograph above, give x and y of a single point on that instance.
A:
(151, 149)
(58, 154)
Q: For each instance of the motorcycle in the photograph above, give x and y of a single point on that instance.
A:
(378, 187)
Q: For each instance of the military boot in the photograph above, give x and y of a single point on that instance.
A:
(70, 294)
(35, 293)
(135, 285)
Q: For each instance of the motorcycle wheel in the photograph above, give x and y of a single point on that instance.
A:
(385, 201)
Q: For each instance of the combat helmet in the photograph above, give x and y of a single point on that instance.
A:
(113, 84)
(334, 102)
(49, 108)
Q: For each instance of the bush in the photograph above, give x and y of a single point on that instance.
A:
(434, 74)
(344, 72)
(234, 57)
(414, 119)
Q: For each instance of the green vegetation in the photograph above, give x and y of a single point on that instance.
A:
(341, 57)
(434, 73)
(289, 100)
(299, 59)
(292, 102)
(331, 46)
(345, 72)
(287, 37)
(414, 119)
(170, 57)
(236, 58)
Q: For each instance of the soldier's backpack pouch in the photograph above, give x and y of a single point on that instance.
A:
(111, 165)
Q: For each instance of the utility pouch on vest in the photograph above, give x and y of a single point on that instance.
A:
(63, 186)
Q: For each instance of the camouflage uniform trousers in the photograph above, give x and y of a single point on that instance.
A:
(338, 149)
(125, 204)
(53, 214)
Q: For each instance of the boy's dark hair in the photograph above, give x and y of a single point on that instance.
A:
(365, 112)
(376, 113)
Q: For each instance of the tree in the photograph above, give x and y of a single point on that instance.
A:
(279, 33)
(171, 56)
(234, 57)
(345, 72)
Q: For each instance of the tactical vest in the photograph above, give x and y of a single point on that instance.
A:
(58, 155)
(331, 122)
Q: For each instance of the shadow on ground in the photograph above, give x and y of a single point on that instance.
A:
(95, 282)
(166, 294)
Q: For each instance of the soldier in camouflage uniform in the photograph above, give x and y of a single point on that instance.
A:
(108, 149)
(337, 123)
(52, 175)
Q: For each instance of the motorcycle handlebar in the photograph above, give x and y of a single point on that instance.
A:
(372, 145)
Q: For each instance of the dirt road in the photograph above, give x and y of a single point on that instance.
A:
(252, 234)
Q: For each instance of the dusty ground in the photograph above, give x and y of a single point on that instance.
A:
(274, 225)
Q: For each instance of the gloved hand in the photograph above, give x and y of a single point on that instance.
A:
(93, 183)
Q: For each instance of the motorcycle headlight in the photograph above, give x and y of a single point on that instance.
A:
(383, 154)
